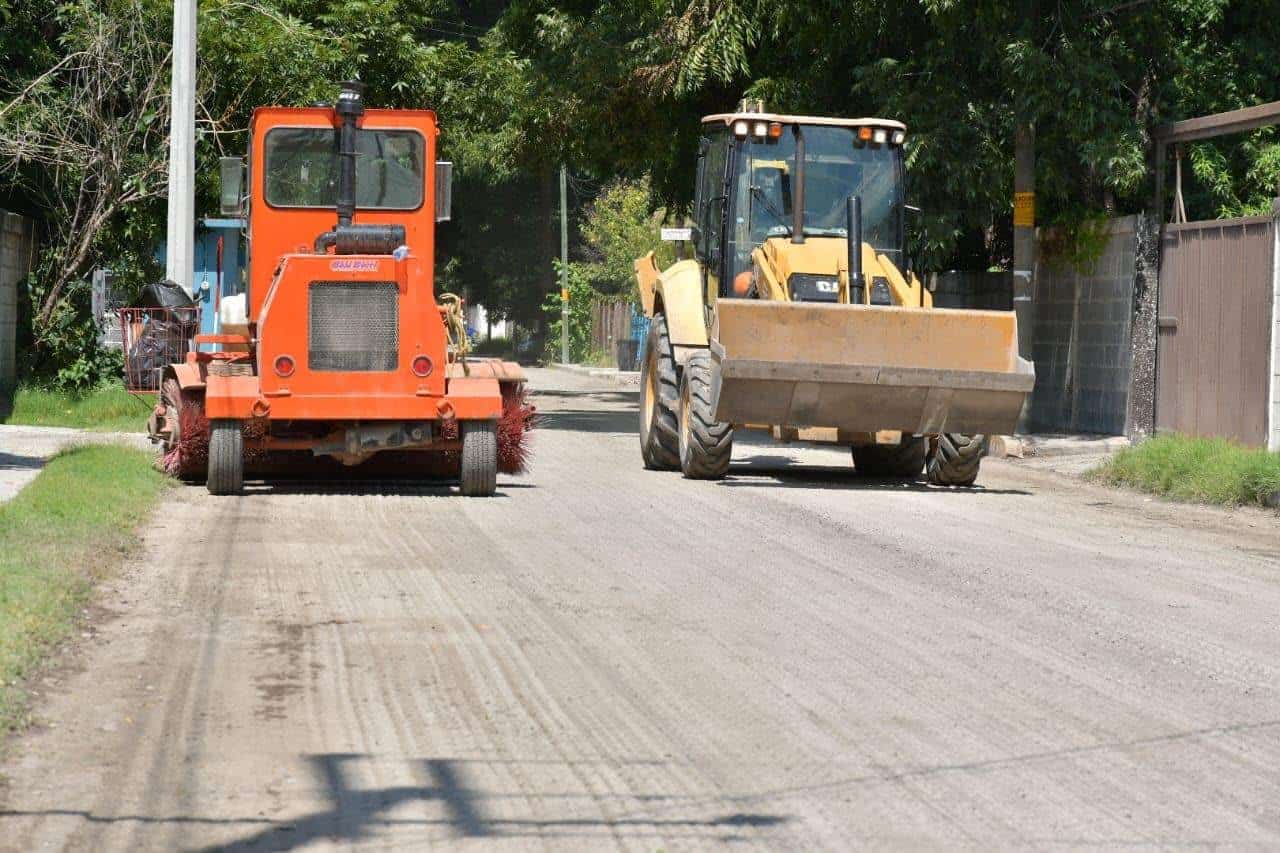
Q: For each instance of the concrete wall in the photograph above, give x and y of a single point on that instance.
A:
(17, 250)
(1082, 341)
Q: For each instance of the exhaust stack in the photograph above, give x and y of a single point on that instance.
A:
(349, 108)
(853, 227)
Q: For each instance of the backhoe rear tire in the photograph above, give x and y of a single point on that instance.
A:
(659, 398)
(954, 459)
(226, 458)
(479, 458)
(706, 445)
(903, 460)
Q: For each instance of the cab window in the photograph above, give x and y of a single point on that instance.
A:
(301, 168)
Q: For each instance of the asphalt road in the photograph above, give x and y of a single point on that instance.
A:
(606, 657)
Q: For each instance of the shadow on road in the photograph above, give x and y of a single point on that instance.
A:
(778, 471)
(353, 814)
(18, 462)
(589, 420)
(389, 487)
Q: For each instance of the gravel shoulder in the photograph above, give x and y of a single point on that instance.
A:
(603, 657)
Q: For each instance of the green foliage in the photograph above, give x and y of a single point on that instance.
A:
(581, 297)
(1077, 242)
(1204, 470)
(619, 227)
(494, 347)
(71, 525)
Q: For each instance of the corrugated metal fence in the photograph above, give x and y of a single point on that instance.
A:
(1215, 342)
(613, 332)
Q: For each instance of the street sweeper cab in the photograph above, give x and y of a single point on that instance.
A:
(340, 351)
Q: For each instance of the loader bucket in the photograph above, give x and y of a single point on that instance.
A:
(864, 368)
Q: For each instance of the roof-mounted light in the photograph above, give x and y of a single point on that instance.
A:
(759, 129)
(881, 136)
(899, 137)
(741, 128)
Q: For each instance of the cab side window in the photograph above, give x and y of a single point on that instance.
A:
(710, 202)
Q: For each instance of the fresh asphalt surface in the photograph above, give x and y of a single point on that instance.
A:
(606, 657)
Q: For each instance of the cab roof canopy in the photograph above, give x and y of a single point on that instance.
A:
(730, 118)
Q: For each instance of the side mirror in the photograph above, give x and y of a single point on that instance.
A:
(231, 189)
(444, 191)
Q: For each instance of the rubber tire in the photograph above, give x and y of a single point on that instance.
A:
(226, 458)
(954, 459)
(659, 425)
(904, 460)
(479, 458)
(706, 445)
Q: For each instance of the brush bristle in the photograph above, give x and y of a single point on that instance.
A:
(519, 416)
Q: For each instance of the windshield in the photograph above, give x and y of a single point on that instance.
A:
(302, 168)
(836, 167)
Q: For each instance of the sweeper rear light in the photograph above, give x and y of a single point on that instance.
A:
(421, 366)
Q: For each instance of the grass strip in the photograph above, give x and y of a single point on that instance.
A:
(106, 409)
(1203, 470)
(72, 525)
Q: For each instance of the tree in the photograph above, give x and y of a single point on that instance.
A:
(86, 137)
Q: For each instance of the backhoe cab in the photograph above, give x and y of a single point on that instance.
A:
(800, 314)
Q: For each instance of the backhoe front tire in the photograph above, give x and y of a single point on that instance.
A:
(954, 459)
(659, 398)
(479, 459)
(903, 460)
(706, 445)
(226, 458)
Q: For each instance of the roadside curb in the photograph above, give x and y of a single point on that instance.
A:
(618, 377)
(1056, 446)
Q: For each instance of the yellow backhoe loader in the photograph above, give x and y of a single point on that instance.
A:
(800, 315)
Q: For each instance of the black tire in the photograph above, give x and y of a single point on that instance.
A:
(226, 458)
(659, 398)
(954, 459)
(479, 458)
(902, 460)
(706, 445)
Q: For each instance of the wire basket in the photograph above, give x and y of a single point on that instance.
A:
(154, 338)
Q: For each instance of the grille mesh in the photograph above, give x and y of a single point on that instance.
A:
(353, 326)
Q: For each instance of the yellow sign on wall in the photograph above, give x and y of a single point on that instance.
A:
(1024, 210)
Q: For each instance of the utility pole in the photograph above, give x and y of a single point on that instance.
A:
(1024, 233)
(180, 235)
(564, 264)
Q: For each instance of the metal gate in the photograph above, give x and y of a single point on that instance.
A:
(1213, 352)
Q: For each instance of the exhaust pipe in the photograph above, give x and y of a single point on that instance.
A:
(853, 227)
(350, 106)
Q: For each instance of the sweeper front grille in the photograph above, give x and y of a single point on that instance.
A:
(353, 326)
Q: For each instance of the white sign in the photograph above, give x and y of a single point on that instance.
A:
(675, 235)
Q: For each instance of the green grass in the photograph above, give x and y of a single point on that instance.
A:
(1204, 470)
(107, 409)
(71, 525)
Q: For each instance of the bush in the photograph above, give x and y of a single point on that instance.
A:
(1205, 470)
(496, 347)
(581, 297)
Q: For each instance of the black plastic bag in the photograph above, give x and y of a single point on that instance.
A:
(165, 294)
